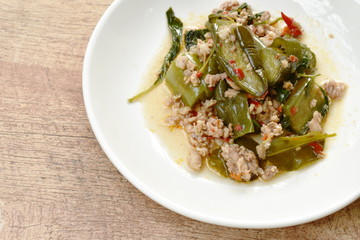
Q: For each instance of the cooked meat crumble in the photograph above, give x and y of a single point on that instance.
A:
(266, 112)
(203, 128)
(315, 122)
(227, 6)
(268, 132)
(334, 89)
(241, 162)
(313, 103)
(202, 48)
(212, 80)
(268, 173)
(230, 93)
(288, 85)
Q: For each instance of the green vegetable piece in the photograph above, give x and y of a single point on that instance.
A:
(233, 110)
(259, 14)
(213, 65)
(291, 46)
(233, 62)
(257, 126)
(297, 107)
(275, 71)
(285, 122)
(281, 93)
(192, 36)
(283, 144)
(242, 6)
(249, 46)
(259, 44)
(275, 21)
(292, 160)
(176, 28)
(216, 163)
(195, 59)
(220, 90)
(255, 19)
(190, 94)
(247, 142)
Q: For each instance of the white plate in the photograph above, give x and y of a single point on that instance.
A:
(119, 52)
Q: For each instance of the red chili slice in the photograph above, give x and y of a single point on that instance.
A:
(199, 74)
(239, 73)
(293, 27)
(248, 95)
(264, 95)
(226, 139)
(238, 127)
(253, 101)
(193, 113)
(292, 58)
(293, 110)
(289, 21)
(318, 149)
(232, 61)
(264, 137)
(286, 30)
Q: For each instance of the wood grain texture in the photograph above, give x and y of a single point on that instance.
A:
(55, 181)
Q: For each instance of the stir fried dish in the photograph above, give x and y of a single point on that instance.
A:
(244, 91)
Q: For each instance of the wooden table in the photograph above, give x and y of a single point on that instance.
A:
(55, 181)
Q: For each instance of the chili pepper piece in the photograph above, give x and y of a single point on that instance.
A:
(239, 73)
(293, 110)
(318, 149)
(294, 27)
